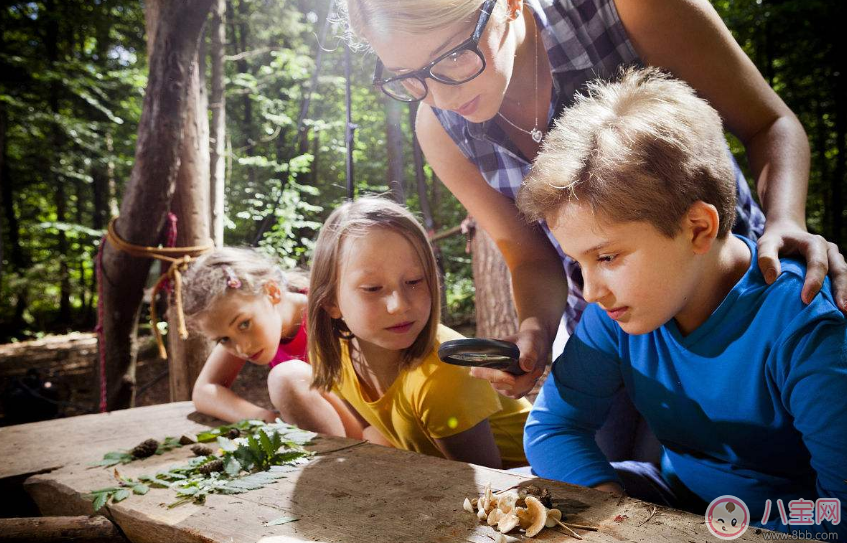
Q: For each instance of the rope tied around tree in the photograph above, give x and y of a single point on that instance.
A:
(179, 259)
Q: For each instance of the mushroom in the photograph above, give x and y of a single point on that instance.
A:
(494, 516)
(535, 515)
(486, 498)
(554, 516)
(507, 501)
(467, 506)
(508, 523)
(481, 514)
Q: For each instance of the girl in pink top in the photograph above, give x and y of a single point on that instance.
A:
(253, 311)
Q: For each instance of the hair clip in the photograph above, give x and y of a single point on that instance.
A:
(231, 280)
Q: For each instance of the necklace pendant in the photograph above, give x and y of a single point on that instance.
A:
(536, 135)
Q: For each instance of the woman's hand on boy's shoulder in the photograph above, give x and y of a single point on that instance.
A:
(534, 354)
(822, 257)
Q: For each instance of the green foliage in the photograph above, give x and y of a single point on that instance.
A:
(286, 433)
(265, 453)
(74, 75)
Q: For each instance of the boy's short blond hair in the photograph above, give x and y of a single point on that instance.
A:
(642, 148)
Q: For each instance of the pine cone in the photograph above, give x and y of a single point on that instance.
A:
(209, 467)
(201, 450)
(145, 448)
(233, 433)
(542, 494)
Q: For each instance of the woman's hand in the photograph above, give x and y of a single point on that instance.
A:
(535, 352)
(787, 238)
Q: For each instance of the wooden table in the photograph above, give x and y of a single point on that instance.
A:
(351, 491)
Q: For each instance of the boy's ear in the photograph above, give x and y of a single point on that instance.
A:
(701, 225)
(273, 291)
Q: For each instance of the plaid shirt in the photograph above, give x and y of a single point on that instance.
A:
(584, 40)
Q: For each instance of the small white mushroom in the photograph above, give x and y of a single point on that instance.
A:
(467, 506)
(553, 517)
(537, 514)
(508, 523)
(507, 501)
(486, 498)
(494, 516)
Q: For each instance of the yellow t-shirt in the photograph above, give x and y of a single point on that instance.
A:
(437, 400)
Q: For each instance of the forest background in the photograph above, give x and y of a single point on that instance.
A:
(72, 81)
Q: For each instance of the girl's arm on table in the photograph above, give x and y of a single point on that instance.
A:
(538, 278)
(688, 38)
(212, 395)
(475, 446)
(365, 430)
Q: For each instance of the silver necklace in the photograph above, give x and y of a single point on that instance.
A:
(535, 133)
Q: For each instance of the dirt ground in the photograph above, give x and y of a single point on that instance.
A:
(68, 380)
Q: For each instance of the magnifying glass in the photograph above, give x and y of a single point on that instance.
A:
(482, 353)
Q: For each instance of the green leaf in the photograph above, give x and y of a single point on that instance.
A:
(121, 495)
(140, 488)
(187, 491)
(204, 437)
(266, 443)
(232, 466)
(100, 499)
(255, 448)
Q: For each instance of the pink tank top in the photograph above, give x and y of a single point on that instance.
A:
(294, 348)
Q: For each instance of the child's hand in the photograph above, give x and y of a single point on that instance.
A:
(535, 351)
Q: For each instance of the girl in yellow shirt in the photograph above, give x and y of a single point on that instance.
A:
(373, 328)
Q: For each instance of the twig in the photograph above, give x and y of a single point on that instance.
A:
(582, 527)
(568, 529)
(344, 448)
(652, 513)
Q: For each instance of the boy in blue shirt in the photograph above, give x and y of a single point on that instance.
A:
(743, 384)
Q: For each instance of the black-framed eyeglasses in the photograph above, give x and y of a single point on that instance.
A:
(458, 65)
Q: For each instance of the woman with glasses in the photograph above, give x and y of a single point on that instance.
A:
(493, 74)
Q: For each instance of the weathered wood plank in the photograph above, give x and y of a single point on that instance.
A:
(350, 492)
(42, 529)
(43, 446)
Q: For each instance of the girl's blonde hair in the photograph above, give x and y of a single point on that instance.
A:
(325, 333)
(382, 17)
(231, 269)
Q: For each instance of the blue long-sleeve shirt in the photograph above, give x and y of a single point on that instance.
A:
(752, 403)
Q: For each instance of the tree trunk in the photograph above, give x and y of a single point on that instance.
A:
(495, 309)
(394, 148)
(191, 206)
(4, 180)
(57, 143)
(217, 130)
(100, 188)
(423, 197)
(244, 67)
(316, 147)
(17, 257)
(178, 27)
